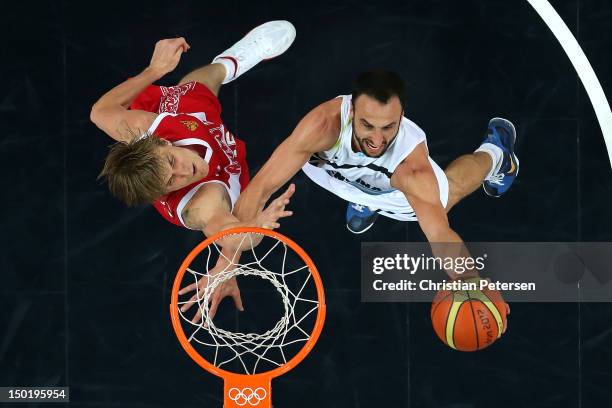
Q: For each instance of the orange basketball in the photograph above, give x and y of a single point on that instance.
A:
(469, 320)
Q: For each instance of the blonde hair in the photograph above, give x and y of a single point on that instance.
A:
(134, 171)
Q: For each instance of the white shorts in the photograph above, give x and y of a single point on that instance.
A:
(393, 205)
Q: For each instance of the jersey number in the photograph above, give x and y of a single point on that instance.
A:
(227, 142)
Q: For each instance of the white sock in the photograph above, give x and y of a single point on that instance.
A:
(497, 155)
(230, 68)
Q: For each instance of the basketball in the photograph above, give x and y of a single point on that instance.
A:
(469, 320)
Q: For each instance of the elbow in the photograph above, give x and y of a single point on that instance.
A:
(98, 111)
(94, 115)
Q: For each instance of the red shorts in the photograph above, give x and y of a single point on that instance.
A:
(190, 97)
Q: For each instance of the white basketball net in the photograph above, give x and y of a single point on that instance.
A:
(251, 349)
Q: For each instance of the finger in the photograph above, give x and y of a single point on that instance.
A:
(507, 313)
(182, 43)
(284, 198)
(213, 307)
(238, 301)
(190, 303)
(188, 289)
(285, 214)
(198, 316)
(213, 304)
(289, 192)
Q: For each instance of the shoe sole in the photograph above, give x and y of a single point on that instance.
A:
(361, 232)
(283, 49)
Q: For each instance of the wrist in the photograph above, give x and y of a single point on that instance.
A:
(466, 275)
(153, 73)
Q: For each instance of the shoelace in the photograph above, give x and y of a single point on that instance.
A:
(358, 207)
(496, 179)
(257, 43)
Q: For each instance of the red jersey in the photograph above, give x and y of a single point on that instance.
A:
(190, 116)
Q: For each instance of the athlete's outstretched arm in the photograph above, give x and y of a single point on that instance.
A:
(209, 210)
(110, 113)
(416, 179)
(317, 131)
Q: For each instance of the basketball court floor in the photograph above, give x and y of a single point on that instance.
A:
(86, 282)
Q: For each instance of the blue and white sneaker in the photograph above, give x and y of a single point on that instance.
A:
(501, 133)
(359, 218)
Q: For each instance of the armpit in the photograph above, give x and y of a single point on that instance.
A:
(192, 219)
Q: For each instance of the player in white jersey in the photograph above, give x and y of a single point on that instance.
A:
(362, 148)
(366, 180)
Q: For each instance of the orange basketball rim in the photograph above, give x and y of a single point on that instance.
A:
(250, 390)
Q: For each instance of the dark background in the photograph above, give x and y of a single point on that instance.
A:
(85, 282)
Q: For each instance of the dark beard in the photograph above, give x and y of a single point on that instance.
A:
(363, 146)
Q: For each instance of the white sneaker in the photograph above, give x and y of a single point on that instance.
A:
(262, 43)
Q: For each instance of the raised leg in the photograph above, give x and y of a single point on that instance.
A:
(465, 174)
(264, 42)
(494, 164)
(211, 76)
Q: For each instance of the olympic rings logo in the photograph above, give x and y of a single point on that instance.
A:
(247, 395)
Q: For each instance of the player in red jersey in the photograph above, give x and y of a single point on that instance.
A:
(173, 149)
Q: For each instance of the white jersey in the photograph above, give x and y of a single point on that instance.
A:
(365, 180)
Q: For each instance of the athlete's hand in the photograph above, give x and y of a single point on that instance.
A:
(507, 309)
(227, 288)
(502, 311)
(167, 55)
(269, 217)
(497, 294)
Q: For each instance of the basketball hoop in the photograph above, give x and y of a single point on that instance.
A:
(248, 362)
